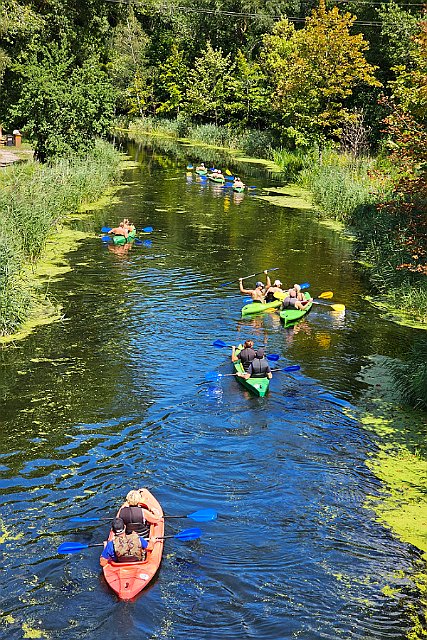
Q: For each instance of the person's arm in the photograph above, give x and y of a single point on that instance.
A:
(234, 358)
(151, 517)
(108, 554)
(267, 280)
(242, 290)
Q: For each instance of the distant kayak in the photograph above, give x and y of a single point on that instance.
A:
(257, 386)
(218, 179)
(291, 315)
(120, 240)
(238, 189)
(259, 307)
(201, 172)
(127, 579)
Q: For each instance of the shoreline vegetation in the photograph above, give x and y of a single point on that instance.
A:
(34, 202)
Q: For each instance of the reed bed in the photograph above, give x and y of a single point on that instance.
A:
(33, 199)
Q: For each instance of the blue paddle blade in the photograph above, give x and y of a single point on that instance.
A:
(247, 300)
(203, 515)
(305, 285)
(106, 239)
(147, 243)
(82, 519)
(274, 357)
(294, 367)
(105, 229)
(212, 376)
(219, 344)
(71, 547)
(189, 534)
(230, 178)
(252, 187)
(147, 229)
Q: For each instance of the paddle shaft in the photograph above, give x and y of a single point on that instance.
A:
(246, 277)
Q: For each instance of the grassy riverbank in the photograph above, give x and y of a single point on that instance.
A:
(34, 199)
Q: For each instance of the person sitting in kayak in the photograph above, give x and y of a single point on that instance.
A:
(276, 287)
(259, 367)
(201, 167)
(257, 294)
(129, 225)
(291, 301)
(136, 515)
(246, 355)
(120, 230)
(123, 547)
(300, 296)
(238, 183)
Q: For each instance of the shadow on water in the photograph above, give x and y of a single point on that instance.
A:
(108, 400)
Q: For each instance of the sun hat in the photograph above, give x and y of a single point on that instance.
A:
(259, 284)
(277, 283)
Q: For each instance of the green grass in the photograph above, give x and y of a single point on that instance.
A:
(33, 199)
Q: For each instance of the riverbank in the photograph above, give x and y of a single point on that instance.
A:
(34, 202)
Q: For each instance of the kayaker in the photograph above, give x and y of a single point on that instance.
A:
(300, 296)
(123, 547)
(201, 167)
(129, 225)
(259, 367)
(276, 287)
(120, 230)
(257, 294)
(246, 355)
(136, 515)
(238, 183)
(291, 301)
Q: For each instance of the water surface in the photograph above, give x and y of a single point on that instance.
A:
(109, 399)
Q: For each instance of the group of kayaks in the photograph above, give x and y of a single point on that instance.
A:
(217, 177)
(288, 316)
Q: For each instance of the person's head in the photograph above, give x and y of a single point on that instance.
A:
(249, 344)
(259, 285)
(118, 526)
(133, 498)
(297, 288)
(277, 283)
(292, 293)
(260, 353)
(202, 164)
(122, 224)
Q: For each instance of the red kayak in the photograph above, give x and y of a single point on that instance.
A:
(127, 579)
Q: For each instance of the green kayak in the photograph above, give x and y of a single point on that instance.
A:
(291, 315)
(259, 307)
(238, 189)
(257, 386)
(120, 240)
(201, 172)
(219, 180)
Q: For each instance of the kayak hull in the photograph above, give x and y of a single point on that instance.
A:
(238, 189)
(201, 172)
(290, 316)
(217, 180)
(257, 386)
(259, 307)
(120, 240)
(129, 579)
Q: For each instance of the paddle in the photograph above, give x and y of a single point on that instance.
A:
(225, 284)
(75, 547)
(213, 376)
(219, 344)
(144, 230)
(203, 515)
(281, 295)
(334, 307)
(228, 172)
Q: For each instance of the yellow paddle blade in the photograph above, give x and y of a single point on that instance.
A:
(338, 307)
(279, 295)
(326, 295)
(228, 172)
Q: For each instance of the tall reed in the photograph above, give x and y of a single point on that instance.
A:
(33, 199)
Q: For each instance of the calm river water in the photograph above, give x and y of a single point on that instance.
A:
(109, 400)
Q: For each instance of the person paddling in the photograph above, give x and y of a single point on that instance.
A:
(257, 294)
(121, 230)
(276, 287)
(136, 515)
(123, 547)
(246, 355)
(259, 367)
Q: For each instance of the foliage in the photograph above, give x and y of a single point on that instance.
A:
(33, 199)
(249, 97)
(313, 71)
(172, 82)
(411, 376)
(398, 27)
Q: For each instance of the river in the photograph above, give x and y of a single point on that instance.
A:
(109, 399)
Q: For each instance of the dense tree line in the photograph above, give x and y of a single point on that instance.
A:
(68, 68)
